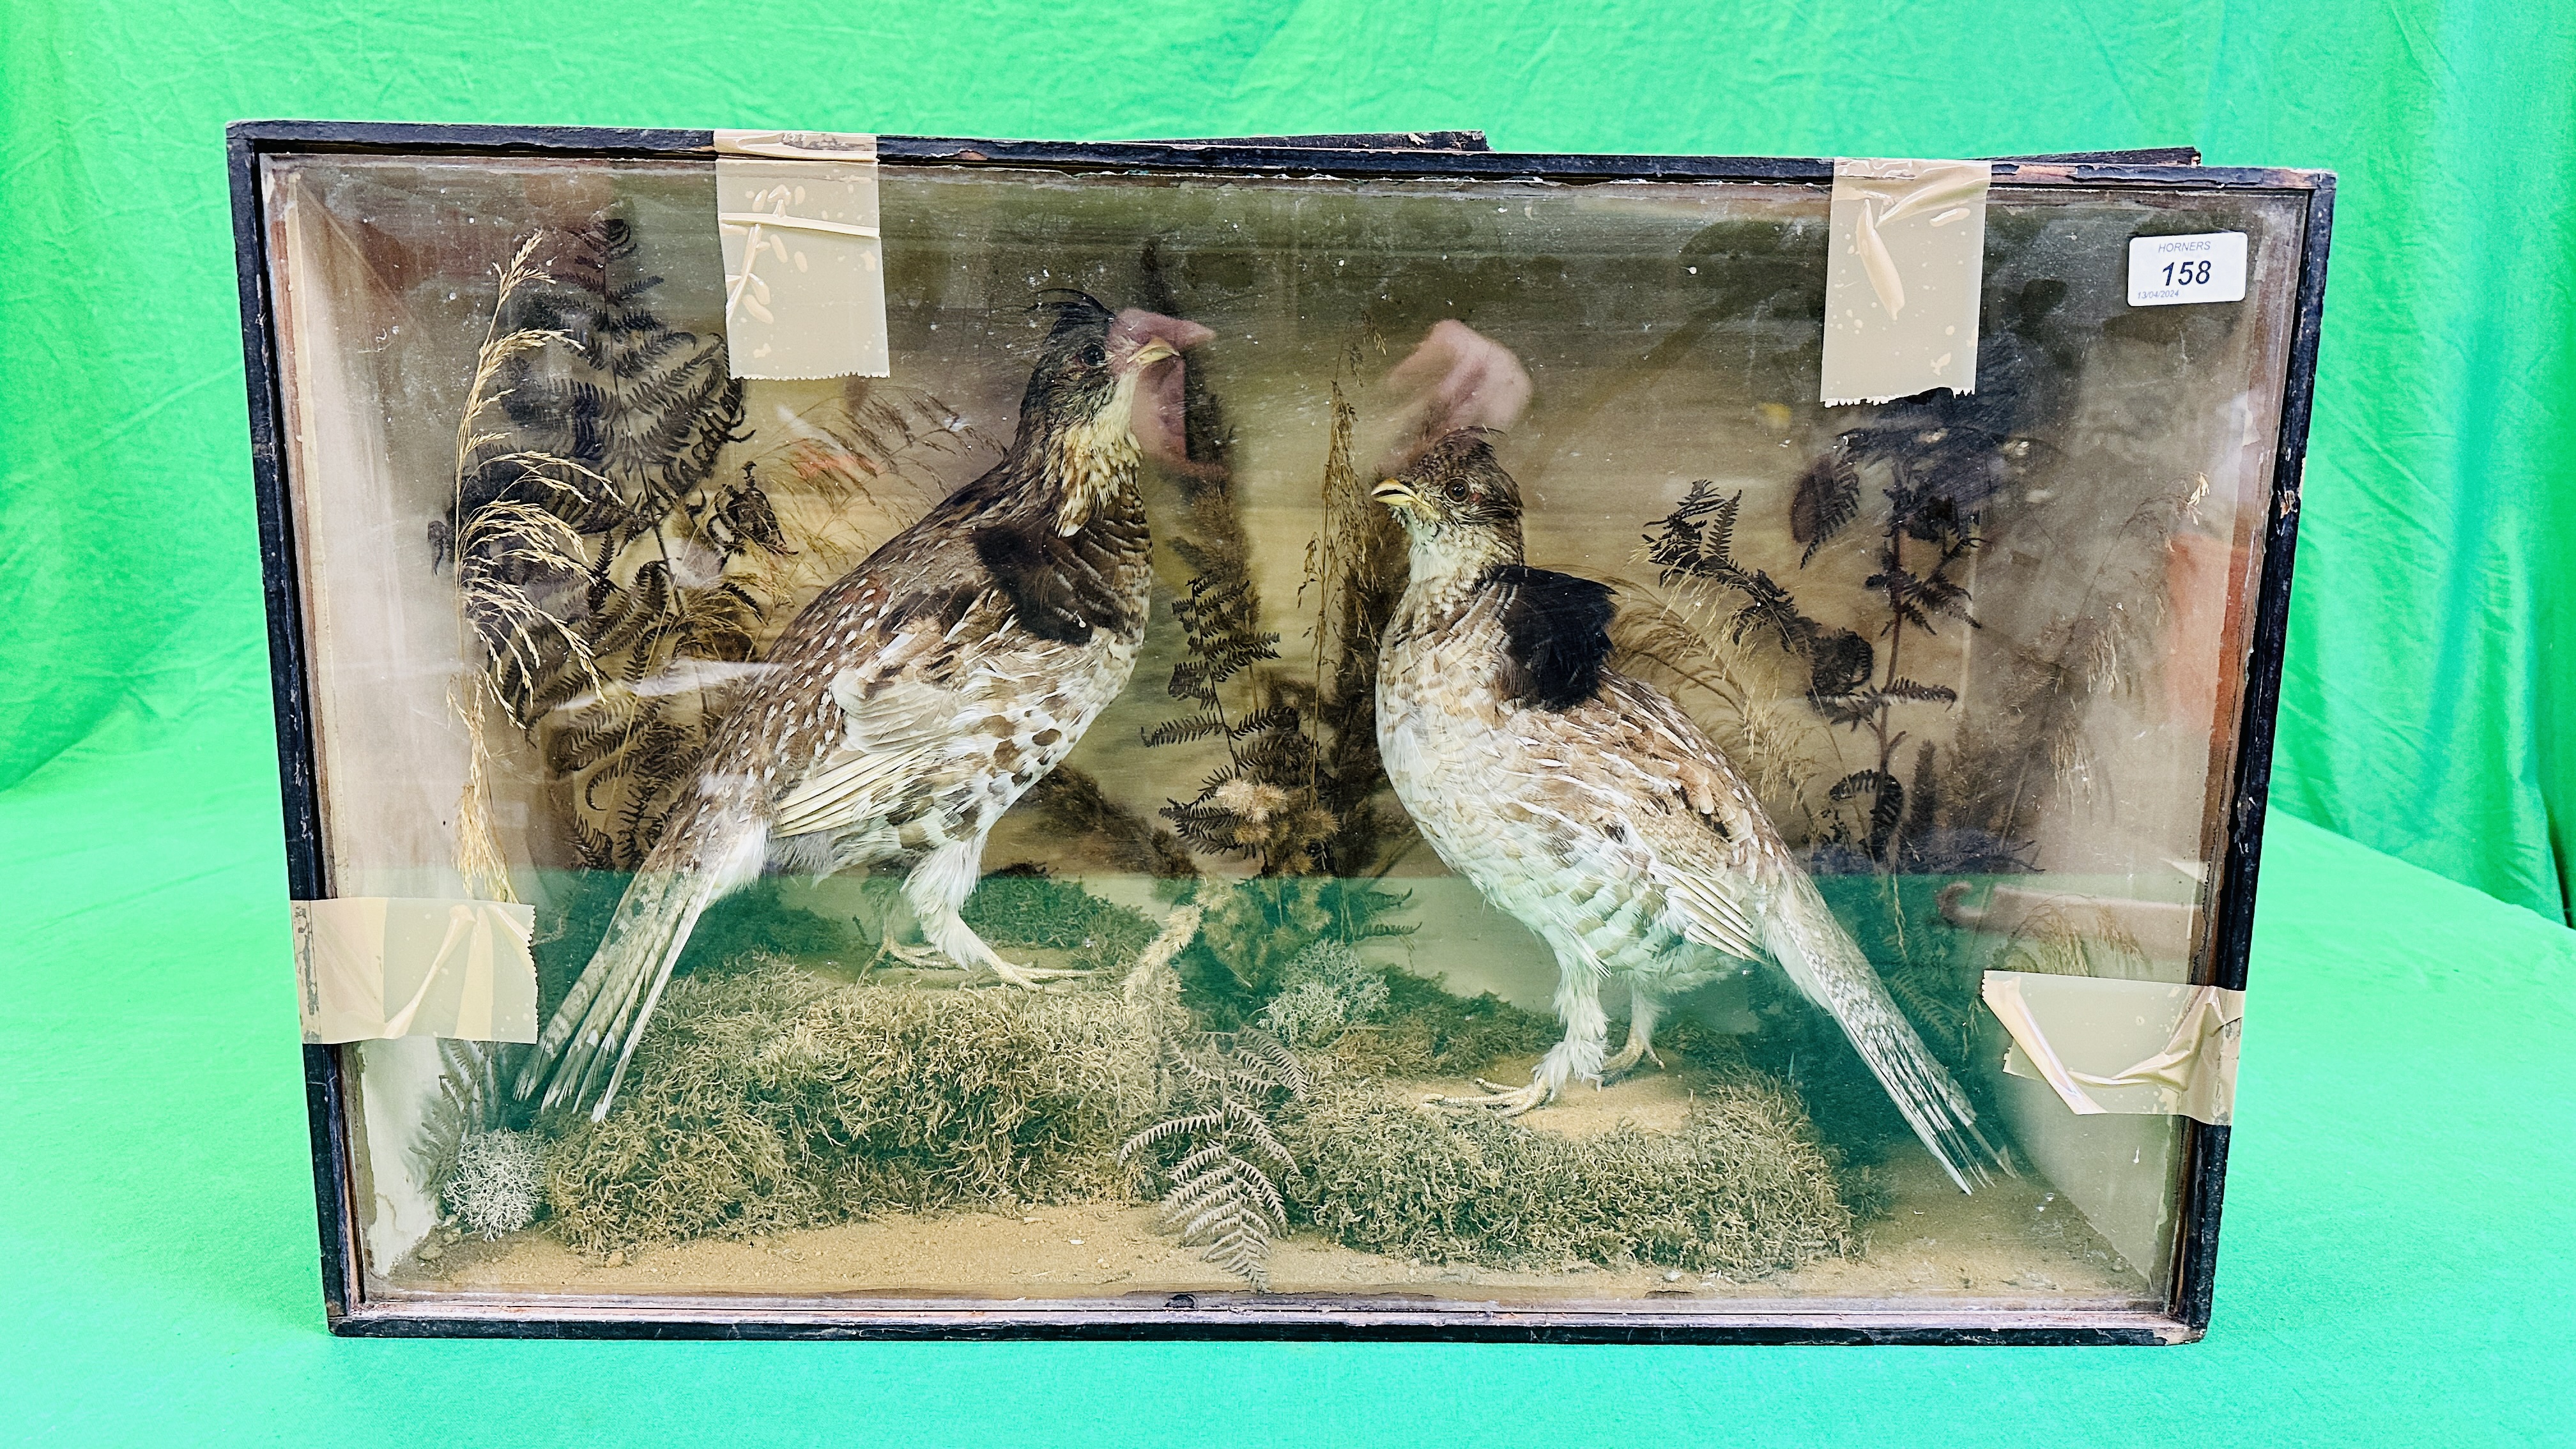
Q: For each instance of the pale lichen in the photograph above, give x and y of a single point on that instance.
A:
(498, 1182)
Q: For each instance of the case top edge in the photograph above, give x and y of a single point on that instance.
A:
(1451, 152)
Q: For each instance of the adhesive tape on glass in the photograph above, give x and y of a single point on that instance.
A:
(803, 261)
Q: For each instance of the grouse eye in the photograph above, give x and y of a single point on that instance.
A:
(1455, 492)
(1093, 355)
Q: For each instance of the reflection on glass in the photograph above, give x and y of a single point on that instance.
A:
(1975, 660)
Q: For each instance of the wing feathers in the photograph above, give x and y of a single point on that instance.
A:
(1641, 771)
(849, 790)
(1709, 914)
(889, 712)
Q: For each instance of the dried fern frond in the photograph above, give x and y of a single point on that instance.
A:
(1360, 573)
(1301, 752)
(600, 545)
(2073, 939)
(1224, 1194)
(1825, 501)
(470, 1100)
(505, 554)
(1263, 804)
(2034, 745)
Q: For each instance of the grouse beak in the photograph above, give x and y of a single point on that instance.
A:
(1139, 339)
(1397, 495)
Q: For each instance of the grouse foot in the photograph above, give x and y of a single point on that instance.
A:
(1644, 1012)
(920, 958)
(1506, 1101)
(931, 958)
(1033, 977)
(1626, 1061)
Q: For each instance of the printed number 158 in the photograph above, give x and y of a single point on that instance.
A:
(2192, 273)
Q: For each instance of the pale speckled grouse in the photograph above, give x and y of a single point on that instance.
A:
(1587, 805)
(908, 706)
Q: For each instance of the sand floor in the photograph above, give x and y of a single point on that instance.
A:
(2014, 1243)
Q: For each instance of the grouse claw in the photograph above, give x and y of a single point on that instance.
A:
(921, 958)
(1032, 976)
(1619, 1067)
(1506, 1101)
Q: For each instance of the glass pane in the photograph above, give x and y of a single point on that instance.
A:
(1974, 662)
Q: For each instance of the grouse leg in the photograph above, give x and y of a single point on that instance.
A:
(1643, 1010)
(1578, 1005)
(937, 888)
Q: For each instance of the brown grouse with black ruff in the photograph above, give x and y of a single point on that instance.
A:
(1588, 806)
(908, 706)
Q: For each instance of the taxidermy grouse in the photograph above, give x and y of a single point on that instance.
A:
(1587, 805)
(906, 708)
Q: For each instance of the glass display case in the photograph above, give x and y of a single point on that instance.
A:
(1299, 736)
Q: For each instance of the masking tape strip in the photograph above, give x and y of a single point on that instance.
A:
(803, 262)
(2073, 1032)
(374, 966)
(1904, 269)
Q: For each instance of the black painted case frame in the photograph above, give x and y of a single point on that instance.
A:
(2183, 1317)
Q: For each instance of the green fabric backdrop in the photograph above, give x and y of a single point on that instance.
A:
(2425, 711)
(2396, 1257)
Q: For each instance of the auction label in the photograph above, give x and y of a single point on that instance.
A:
(2167, 271)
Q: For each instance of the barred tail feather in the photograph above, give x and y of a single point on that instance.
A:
(582, 1055)
(1822, 960)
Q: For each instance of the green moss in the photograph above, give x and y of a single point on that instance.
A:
(1011, 909)
(1252, 930)
(1743, 1188)
(769, 1098)
(1033, 909)
(580, 904)
(1425, 1031)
